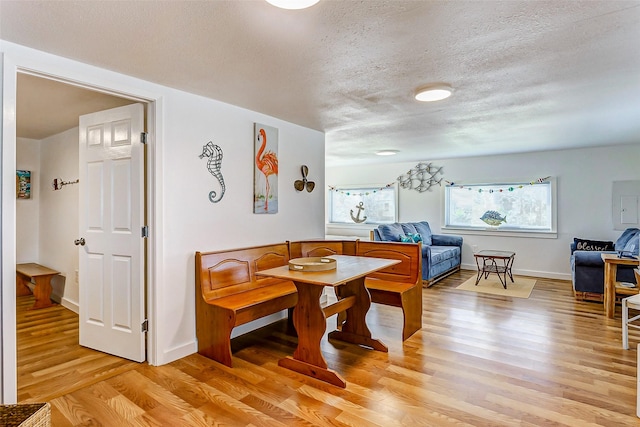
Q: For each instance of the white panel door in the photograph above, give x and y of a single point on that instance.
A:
(111, 273)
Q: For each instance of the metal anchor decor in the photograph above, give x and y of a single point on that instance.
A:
(214, 153)
(421, 177)
(300, 184)
(357, 218)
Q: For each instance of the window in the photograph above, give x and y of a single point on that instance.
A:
(352, 204)
(528, 207)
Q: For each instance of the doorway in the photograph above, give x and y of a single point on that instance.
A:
(47, 113)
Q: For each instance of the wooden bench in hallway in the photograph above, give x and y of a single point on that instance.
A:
(41, 277)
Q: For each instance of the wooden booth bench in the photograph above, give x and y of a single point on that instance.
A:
(399, 285)
(229, 294)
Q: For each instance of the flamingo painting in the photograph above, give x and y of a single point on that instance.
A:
(266, 165)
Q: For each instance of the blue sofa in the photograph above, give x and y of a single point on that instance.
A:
(441, 254)
(587, 267)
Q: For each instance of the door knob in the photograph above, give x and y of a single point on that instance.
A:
(79, 241)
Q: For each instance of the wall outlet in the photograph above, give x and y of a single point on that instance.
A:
(474, 248)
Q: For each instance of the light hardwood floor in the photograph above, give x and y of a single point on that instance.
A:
(479, 360)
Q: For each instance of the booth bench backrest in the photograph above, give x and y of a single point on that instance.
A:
(409, 254)
(320, 248)
(229, 272)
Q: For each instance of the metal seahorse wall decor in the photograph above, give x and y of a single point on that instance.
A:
(214, 164)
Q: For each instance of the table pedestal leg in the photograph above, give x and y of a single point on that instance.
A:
(354, 329)
(310, 323)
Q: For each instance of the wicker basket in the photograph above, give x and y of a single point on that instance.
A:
(27, 415)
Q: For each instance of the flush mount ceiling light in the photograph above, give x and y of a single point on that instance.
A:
(434, 92)
(387, 152)
(293, 4)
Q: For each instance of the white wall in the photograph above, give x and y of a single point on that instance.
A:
(193, 223)
(27, 221)
(59, 213)
(183, 220)
(584, 182)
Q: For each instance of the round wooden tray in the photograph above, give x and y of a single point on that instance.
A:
(313, 263)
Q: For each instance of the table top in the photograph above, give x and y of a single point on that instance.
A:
(348, 268)
(615, 259)
(494, 254)
(32, 269)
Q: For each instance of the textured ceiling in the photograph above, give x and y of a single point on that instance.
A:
(528, 75)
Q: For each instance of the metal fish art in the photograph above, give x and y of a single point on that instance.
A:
(493, 218)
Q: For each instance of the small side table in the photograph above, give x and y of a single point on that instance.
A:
(489, 265)
(611, 263)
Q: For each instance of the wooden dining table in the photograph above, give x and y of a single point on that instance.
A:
(310, 317)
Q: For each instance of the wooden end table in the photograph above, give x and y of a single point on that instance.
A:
(611, 263)
(489, 265)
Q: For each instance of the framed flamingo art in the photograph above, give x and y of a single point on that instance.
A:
(265, 175)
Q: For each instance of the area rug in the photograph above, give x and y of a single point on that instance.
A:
(520, 288)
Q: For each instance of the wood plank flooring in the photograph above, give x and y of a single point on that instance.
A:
(479, 360)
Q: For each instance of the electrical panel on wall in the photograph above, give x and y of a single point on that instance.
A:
(626, 204)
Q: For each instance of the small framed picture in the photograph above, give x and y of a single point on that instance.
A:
(23, 184)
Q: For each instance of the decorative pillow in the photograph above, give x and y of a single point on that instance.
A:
(406, 239)
(593, 245)
(415, 237)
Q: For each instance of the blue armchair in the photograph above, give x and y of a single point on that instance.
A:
(441, 254)
(587, 267)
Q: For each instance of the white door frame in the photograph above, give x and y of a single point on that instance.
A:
(9, 68)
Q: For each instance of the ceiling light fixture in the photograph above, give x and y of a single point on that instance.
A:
(387, 152)
(434, 92)
(293, 4)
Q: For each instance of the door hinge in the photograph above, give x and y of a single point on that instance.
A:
(143, 137)
(145, 232)
(145, 325)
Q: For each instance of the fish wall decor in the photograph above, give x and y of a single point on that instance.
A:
(493, 218)
(421, 177)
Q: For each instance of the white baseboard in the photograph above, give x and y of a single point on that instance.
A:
(71, 305)
(522, 272)
(176, 353)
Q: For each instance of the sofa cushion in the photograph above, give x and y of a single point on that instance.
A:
(443, 253)
(632, 245)
(424, 230)
(391, 232)
(592, 245)
(624, 238)
(408, 228)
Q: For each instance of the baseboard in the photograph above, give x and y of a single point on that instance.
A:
(522, 272)
(71, 305)
(176, 353)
